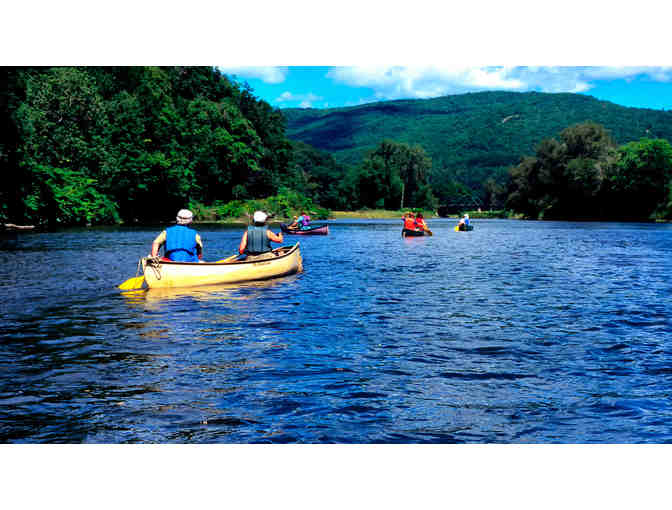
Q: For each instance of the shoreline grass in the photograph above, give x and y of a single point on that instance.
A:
(368, 214)
(362, 214)
(374, 214)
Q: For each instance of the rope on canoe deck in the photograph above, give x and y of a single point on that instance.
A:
(154, 263)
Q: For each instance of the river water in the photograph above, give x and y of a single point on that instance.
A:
(516, 332)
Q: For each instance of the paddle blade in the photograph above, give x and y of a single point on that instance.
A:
(227, 259)
(457, 229)
(429, 232)
(133, 283)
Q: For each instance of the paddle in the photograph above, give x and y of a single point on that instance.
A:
(227, 259)
(133, 283)
(426, 228)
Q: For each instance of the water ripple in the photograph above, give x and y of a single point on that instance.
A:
(516, 332)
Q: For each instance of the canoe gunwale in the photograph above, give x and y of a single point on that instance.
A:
(289, 252)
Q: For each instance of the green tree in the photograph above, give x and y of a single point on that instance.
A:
(566, 178)
(641, 178)
(63, 127)
(395, 175)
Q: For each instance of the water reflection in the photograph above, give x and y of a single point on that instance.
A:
(205, 293)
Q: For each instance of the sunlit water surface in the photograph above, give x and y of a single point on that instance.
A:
(517, 332)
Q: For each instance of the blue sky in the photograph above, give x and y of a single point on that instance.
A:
(335, 86)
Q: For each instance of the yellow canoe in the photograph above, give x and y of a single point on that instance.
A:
(167, 274)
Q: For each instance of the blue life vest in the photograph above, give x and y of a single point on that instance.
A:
(181, 244)
(257, 240)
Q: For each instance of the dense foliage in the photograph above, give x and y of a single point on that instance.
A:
(393, 176)
(584, 174)
(108, 144)
(472, 139)
(98, 145)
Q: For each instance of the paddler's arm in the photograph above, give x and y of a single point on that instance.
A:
(160, 239)
(243, 243)
(277, 238)
(199, 247)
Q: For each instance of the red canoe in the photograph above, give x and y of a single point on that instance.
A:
(316, 230)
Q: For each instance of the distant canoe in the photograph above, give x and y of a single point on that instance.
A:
(167, 274)
(464, 228)
(11, 227)
(413, 233)
(316, 230)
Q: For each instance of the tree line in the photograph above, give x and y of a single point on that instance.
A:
(472, 139)
(103, 145)
(584, 174)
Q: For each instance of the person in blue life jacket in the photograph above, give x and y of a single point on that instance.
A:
(463, 224)
(300, 221)
(294, 225)
(257, 238)
(181, 243)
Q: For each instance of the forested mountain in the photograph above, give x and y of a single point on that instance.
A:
(469, 137)
(96, 145)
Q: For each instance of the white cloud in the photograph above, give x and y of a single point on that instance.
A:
(304, 100)
(395, 82)
(266, 74)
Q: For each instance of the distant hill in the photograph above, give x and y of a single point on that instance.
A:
(470, 135)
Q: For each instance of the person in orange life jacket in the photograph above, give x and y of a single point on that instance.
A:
(257, 238)
(409, 221)
(181, 243)
(420, 222)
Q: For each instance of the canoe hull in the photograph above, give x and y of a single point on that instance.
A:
(464, 228)
(321, 230)
(161, 274)
(413, 233)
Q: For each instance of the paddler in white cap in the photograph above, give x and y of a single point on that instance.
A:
(182, 244)
(257, 238)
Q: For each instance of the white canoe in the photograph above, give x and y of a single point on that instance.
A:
(167, 274)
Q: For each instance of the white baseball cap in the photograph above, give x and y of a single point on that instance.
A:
(260, 217)
(184, 216)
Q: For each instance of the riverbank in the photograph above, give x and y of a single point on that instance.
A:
(368, 214)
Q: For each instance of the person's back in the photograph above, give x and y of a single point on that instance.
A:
(420, 222)
(181, 245)
(306, 220)
(303, 221)
(257, 240)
